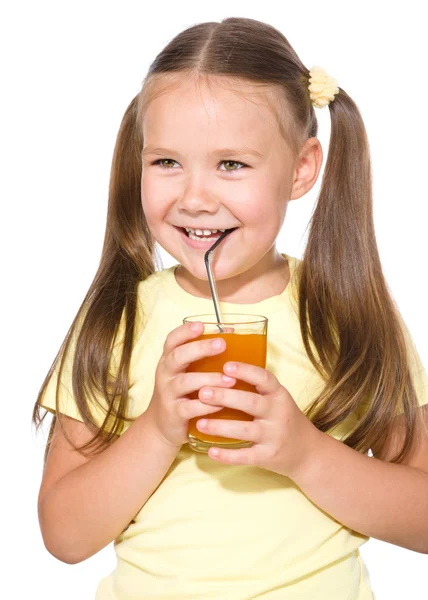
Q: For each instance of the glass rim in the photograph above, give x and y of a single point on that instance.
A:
(259, 319)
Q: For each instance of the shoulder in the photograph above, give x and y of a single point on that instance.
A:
(150, 295)
(294, 267)
(151, 284)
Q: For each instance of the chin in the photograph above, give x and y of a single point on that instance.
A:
(220, 272)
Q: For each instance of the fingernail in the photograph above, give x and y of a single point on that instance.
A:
(195, 326)
(207, 394)
(230, 368)
(227, 379)
(216, 344)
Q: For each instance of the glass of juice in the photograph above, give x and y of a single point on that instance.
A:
(246, 341)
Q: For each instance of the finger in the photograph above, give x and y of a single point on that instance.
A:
(186, 383)
(263, 380)
(248, 431)
(182, 334)
(248, 402)
(191, 409)
(180, 357)
(240, 456)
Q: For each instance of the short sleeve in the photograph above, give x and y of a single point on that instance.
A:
(417, 371)
(66, 400)
(67, 404)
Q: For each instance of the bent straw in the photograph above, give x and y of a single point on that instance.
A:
(208, 259)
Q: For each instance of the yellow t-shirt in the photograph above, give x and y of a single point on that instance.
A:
(214, 531)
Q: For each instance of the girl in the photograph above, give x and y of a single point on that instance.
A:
(222, 136)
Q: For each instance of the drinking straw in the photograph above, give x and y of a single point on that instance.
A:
(208, 258)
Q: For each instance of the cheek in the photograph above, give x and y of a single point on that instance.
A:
(151, 199)
(262, 205)
(147, 186)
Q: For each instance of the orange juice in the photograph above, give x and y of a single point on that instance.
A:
(242, 347)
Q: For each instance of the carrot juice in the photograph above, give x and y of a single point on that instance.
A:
(248, 344)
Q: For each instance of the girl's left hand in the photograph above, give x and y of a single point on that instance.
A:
(284, 439)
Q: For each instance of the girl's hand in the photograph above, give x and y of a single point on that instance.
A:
(284, 439)
(169, 410)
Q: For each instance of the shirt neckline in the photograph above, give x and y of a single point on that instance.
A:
(192, 303)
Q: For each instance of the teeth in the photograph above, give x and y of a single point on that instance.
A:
(202, 231)
(199, 238)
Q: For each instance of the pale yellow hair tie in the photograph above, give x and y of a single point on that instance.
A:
(322, 88)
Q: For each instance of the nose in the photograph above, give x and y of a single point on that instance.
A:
(197, 198)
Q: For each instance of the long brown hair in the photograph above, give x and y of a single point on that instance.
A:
(349, 323)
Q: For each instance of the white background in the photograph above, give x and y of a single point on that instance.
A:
(70, 70)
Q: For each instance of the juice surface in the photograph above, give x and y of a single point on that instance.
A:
(243, 347)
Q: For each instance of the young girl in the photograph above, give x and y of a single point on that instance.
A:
(222, 136)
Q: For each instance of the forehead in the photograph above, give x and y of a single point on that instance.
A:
(218, 106)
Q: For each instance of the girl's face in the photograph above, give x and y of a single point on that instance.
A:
(189, 180)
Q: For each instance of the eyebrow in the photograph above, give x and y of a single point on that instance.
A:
(220, 152)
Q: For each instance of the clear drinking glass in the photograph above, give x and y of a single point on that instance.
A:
(246, 341)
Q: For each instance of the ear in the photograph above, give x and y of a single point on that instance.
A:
(307, 168)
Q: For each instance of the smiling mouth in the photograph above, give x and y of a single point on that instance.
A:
(183, 229)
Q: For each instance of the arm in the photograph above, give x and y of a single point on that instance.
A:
(379, 499)
(92, 504)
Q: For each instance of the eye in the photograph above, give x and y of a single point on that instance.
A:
(163, 160)
(233, 162)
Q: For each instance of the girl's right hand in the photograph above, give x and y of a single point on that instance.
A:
(170, 410)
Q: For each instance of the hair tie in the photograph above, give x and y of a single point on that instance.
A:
(322, 88)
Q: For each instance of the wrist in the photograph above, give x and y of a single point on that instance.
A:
(311, 457)
(152, 431)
